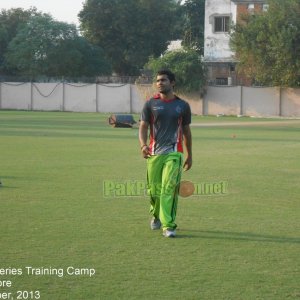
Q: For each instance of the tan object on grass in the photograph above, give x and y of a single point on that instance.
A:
(186, 188)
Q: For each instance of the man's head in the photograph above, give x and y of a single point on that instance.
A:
(168, 73)
(165, 81)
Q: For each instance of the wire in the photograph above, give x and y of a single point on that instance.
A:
(43, 95)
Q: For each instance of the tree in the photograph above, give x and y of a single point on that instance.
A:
(10, 22)
(186, 64)
(267, 45)
(193, 25)
(47, 47)
(129, 31)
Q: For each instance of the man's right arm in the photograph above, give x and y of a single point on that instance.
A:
(188, 145)
(143, 136)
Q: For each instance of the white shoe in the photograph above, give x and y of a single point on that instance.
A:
(155, 224)
(169, 232)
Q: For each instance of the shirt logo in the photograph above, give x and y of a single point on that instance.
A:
(158, 108)
(178, 109)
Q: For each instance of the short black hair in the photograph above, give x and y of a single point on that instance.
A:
(169, 74)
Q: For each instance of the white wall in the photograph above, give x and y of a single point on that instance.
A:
(15, 95)
(252, 101)
(139, 95)
(80, 97)
(47, 96)
(290, 102)
(115, 98)
(120, 98)
(223, 100)
(261, 101)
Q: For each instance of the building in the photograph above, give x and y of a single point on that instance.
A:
(219, 16)
(174, 45)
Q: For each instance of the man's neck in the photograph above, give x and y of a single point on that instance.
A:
(168, 96)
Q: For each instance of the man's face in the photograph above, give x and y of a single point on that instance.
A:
(163, 84)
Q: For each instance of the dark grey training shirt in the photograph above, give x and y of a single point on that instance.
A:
(166, 119)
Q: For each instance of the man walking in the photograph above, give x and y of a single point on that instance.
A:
(168, 117)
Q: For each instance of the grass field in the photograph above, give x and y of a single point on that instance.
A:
(243, 244)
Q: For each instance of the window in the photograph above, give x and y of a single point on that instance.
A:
(251, 7)
(221, 81)
(265, 7)
(222, 24)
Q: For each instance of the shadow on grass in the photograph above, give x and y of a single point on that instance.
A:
(4, 187)
(236, 236)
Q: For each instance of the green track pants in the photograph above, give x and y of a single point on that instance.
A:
(163, 178)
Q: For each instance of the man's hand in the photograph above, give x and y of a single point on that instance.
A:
(188, 163)
(146, 151)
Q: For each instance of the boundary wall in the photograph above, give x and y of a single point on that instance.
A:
(129, 98)
(252, 101)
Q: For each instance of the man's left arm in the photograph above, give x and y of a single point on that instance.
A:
(188, 145)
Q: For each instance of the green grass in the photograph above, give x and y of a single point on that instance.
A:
(241, 245)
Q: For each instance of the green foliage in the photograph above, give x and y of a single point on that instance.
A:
(186, 64)
(47, 47)
(11, 21)
(268, 44)
(129, 31)
(193, 26)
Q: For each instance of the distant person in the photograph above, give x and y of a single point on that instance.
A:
(169, 119)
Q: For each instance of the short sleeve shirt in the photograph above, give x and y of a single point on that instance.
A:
(166, 119)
